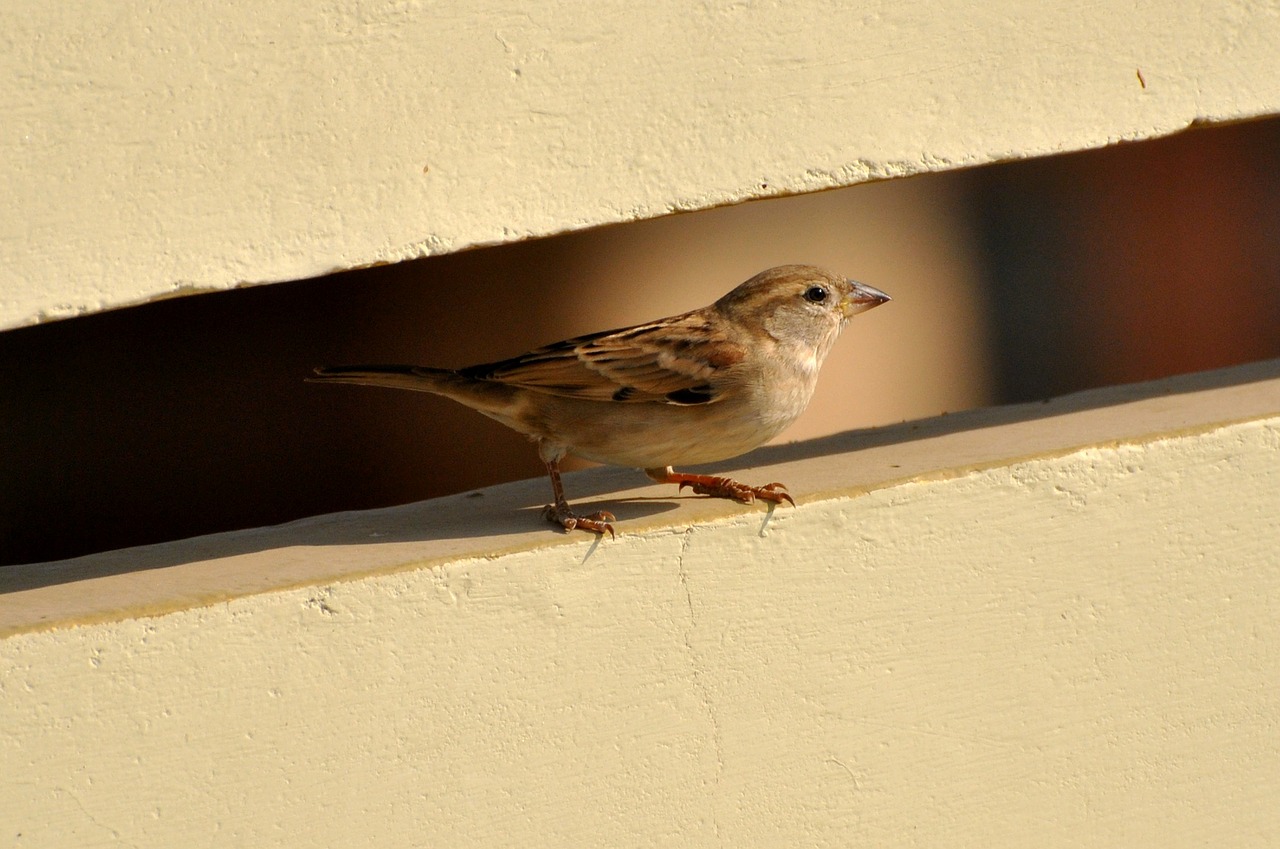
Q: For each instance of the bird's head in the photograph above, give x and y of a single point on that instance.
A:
(799, 304)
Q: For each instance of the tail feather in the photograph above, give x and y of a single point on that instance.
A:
(494, 399)
(417, 378)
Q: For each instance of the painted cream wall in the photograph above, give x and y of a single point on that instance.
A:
(1038, 626)
(153, 150)
(1050, 625)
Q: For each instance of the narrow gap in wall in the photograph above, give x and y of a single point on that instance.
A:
(1011, 282)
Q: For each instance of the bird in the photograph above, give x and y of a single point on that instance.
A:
(699, 387)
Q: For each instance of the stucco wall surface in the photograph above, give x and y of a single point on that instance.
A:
(1058, 649)
(152, 150)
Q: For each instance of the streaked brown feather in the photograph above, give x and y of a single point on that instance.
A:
(673, 361)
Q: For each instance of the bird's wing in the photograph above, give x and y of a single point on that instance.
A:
(676, 361)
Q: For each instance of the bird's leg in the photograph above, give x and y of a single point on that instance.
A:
(718, 487)
(561, 514)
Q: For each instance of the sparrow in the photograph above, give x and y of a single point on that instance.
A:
(699, 387)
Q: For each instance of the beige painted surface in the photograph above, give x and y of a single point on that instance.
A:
(152, 150)
(1051, 625)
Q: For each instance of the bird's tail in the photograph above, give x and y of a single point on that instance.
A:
(417, 378)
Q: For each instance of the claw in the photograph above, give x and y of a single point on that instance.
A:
(718, 487)
(562, 515)
(775, 492)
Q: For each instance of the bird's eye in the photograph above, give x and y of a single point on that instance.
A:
(815, 294)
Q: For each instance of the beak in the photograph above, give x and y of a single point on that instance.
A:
(861, 298)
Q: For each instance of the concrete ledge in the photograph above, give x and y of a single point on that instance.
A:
(504, 519)
(1048, 624)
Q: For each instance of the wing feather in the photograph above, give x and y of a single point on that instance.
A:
(677, 360)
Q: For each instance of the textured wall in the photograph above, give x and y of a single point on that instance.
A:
(1042, 626)
(152, 150)
(963, 636)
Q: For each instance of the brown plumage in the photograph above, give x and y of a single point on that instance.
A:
(699, 387)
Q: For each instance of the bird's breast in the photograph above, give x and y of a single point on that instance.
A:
(651, 434)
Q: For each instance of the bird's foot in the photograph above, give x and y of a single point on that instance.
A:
(718, 487)
(600, 523)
